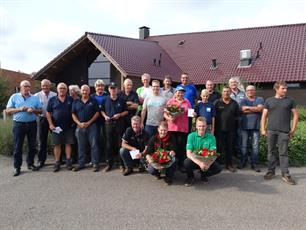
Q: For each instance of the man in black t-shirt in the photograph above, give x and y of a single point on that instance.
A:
(227, 112)
(213, 95)
(134, 139)
(278, 111)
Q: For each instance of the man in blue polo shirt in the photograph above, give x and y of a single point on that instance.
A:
(85, 112)
(25, 108)
(114, 110)
(59, 116)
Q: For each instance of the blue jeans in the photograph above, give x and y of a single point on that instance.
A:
(151, 130)
(85, 136)
(246, 135)
(127, 159)
(20, 130)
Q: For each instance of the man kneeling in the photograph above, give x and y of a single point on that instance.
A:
(134, 139)
(200, 140)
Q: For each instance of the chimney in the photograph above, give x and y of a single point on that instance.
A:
(245, 58)
(144, 32)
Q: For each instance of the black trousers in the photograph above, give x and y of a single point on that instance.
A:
(189, 165)
(113, 135)
(225, 145)
(42, 136)
(180, 141)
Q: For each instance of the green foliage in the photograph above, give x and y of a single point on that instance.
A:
(4, 92)
(302, 113)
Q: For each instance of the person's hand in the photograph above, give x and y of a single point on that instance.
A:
(51, 127)
(264, 132)
(86, 124)
(171, 118)
(116, 116)
(172, 153)
(138, 155)
(107, 118)
(291, 134)
(81, 125)
(203, 166)
(23, 108)
(142, 126)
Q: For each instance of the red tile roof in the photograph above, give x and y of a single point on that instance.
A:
(133, 57)
(282, 57)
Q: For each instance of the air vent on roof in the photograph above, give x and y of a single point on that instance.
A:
(182, 42)
(213, 64)
(245, 59)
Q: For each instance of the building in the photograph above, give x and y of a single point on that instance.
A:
(259, 55)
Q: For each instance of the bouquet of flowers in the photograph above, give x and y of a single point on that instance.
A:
(174, 110)
(162, 159)
(207, 156)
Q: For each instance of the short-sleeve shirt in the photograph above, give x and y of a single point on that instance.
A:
(112, 107)
(251, 121)
(100, 101)
(279, 113)
(167, 93)
(18, 101)
(85, 111)
(139, 141)
(196, 142)
(206, 110)
(226, 115)
(214, 96)
(132, 97)
(155, 109)
(180, 124)
(190, 93)
(61, 112)
(44, 99)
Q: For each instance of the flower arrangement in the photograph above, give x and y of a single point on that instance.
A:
(207, 156)
(174, 110)
(162, 159)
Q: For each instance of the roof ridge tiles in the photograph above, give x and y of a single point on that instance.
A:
(117, 36)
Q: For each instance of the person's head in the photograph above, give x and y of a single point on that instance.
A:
(280, 88)
(128, 85)
(155, 87)
(226, 92)
(61, 89)
(162, 129)
(205, 95)
(85, 91)
(25, 87)
(135, 123)
(74, 91)
(233, 83)
(167, 81)
(184, 78)
(250, 91)
(145, 79)
(210, 85)
(113, 89)
(201, 125)
(99, 86)
(179, 92)
(45, 85)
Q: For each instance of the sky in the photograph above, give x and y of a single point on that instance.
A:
(33, 32)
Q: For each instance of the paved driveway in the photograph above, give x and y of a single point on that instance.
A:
(87, 200)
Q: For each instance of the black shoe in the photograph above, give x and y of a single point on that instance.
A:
(16, 172)
(96, 168)
(157, 175)
(56, 167)
(128, 171)
(107, 168)
(69, 164)
(203, 177)
(141, 168)
(33, 168)
(269, 175)
(168, 180)
(241, 165)
(78, 168)
(189, 182)
(256, 168)
(41, 164)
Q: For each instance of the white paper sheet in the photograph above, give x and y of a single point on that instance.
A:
(57, 129)
(134, 154)
(190, 112)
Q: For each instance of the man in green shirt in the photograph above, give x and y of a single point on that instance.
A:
(198, 140)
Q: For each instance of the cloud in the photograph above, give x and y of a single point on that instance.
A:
(7, 25)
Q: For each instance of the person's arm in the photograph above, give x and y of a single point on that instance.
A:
(92, 120)
(213, 125)
(263, 123)
(123, 113)
(11, 111)
(77, 121)
(195, 160)
(124, 144)
(35, 111)
(295, 120)
(49, 118)
(143, 113)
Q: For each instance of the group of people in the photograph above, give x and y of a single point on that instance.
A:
(116, 123)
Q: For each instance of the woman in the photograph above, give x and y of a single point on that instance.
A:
(178, 123)
(162, 140)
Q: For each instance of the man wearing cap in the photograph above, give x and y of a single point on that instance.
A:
(85, 112)
(24, 107)
(114, 110)
(42, 123)
(59, 116)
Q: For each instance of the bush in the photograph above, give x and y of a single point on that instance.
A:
(302, 113)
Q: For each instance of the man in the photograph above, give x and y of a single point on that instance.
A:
(227, 113)
(167, 91)
(100, 96)
(198, 140)
(131, 98)
(42, 123)
(251, 107)
(25, 108)
(144, 90)
(213, 95)
(114, 110)
(134, 139)
(278, 111)
(59, 116)
(237, 95)
(153, 108)
(85, 112)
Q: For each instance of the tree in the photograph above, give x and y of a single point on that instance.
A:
(4, 92)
